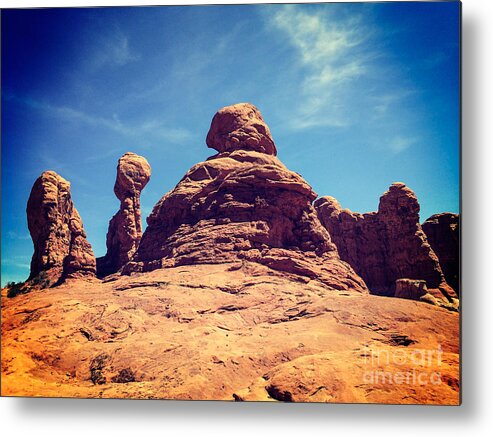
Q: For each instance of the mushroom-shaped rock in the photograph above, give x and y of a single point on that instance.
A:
(125, 229)
(240, 127)
(386, 245)
(61, 250)
(242, 206)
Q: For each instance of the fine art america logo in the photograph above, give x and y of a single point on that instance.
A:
(400, 366)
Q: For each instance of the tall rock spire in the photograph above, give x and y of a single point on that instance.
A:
(125, 228)
(61, 250)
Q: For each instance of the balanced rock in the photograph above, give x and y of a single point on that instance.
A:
(443, 233)
(386, 245)
(125, 229)
(61, 250)
(242, 204)
(240, 127)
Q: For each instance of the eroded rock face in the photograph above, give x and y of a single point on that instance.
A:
(386, 245)
(443, 233)
(125, 228)
(61, 250)
(242, 204)
(413, 289)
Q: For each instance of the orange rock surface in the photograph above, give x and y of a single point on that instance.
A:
(233, 331)
(61, 249)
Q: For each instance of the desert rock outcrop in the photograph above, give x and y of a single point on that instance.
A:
(386, 245)
(61, 250)
(242, 204)
(125, 228)
(443, 233)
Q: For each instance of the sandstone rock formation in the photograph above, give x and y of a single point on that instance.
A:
(125, 228)
(61, 250)
(443, 233)
(386, 245)
(242, 204)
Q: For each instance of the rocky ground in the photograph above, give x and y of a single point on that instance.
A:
(232, 331)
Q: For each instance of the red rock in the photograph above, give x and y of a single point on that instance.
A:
(61, 250)
(242, 204)
(125, 228)
(443, 233)
(413, 289)
(386, 245)
(240, 127)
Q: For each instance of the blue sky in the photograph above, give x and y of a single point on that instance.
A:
(357, 96)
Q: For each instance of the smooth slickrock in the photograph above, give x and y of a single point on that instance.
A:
(242, 204)
(227, 331)
(386, 245)
(125, 228)
(61, 250)
(443, 233)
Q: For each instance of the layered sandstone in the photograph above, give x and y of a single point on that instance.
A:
(386, 245)
(443, 233)
(125, 228)
(242, 204)
(61, 250)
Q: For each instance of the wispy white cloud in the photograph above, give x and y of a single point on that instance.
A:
(18, 236)
(18, 261)
(346, 80)
(329, 54)
(155, 128)
(161, 130)
(385, 102)
(109, 47)
(399, 143)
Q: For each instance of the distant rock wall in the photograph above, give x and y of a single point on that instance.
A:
(443, 233)
(386, 245)
(61, 250)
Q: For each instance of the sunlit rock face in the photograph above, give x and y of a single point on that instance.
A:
(386, 245)
(61, 250)
(125, 228)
